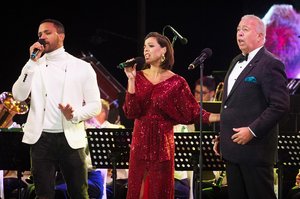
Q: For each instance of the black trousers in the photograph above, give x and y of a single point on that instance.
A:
(52, 151)
(250, 182)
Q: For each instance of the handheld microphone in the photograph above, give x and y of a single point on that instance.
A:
(36, 50)
(136, 60)
(205, 53)
(182, 39)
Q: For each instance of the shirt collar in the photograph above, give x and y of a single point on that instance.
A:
(56, 54)
(253, 53)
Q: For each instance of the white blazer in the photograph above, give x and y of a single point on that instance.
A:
(80, 86)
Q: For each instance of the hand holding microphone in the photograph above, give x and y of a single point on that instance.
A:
(130, 72)
(130, 67)
(131, 62)
(36, 48)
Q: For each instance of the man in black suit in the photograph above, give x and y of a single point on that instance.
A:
(255, 98)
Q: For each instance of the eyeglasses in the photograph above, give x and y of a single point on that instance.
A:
(203, 92)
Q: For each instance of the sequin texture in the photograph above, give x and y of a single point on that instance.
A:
(156, 109)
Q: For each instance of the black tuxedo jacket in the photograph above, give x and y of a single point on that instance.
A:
(258, 99)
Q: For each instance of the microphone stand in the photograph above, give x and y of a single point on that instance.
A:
(174, 37)
(198, 180)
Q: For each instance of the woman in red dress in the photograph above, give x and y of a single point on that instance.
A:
(157, 99)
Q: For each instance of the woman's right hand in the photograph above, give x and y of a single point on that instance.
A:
(130, 71)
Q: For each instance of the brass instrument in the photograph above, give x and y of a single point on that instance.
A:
(219, 92)
(9, 107)
(219, 180)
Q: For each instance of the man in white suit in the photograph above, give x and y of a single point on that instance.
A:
(63, 93)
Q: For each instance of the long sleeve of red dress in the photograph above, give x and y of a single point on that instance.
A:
(156, 109)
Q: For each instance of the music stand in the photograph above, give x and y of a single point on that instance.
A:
(213, 107)
(288, 155)
(109, 148)
(14, 154)
(187, 155)
(219, 75)
(187, 152)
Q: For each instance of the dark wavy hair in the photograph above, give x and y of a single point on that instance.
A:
(163, 41)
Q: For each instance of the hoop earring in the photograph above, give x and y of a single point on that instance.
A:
(163, 58)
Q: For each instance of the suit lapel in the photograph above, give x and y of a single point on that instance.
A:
(241, 77)
(243, 74)
(232, 64)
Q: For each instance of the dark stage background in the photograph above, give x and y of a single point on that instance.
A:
(113, 31)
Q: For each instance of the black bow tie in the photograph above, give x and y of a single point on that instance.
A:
(243, 58)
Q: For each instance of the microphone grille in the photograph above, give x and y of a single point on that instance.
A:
(184, 41)
(42, 41)
(207, 51)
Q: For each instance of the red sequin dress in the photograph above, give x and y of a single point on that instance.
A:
(156, 109)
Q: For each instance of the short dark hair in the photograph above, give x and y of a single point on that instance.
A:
(208, 81)
(58, 25)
